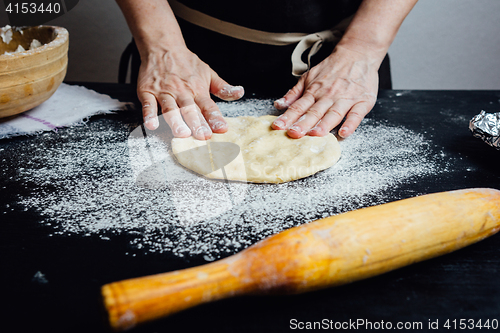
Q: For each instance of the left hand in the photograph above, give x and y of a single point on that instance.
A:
(343, 85)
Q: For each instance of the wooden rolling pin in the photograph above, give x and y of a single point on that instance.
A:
(328, 252)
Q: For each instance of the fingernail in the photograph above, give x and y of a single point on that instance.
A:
(344, 132)
(232, 92)
(280, 103)
(218, 125)
(315, 129)
(182, 130)
(296, 128)
(279, 123)
(229, 89)
(151, 122)
(203, 132)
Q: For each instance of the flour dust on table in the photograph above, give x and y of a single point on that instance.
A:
(103, 179)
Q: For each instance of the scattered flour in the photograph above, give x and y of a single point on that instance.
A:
(40, 278)
(98, 181)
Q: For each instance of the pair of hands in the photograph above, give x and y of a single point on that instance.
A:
(344, 84)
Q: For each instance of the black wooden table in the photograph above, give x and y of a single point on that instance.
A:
(463, 285)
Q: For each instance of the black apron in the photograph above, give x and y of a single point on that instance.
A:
(263, 70)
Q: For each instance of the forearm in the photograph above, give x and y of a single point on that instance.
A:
(153, 25)
(375, 26)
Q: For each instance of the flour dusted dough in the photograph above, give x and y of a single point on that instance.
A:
(265, 156)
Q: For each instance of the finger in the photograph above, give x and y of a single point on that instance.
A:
(332, 118)
(194, 119)
(353, 119)
(310, 118)
(173, 118)
(291, 96)
(212, 114)
(224, 90)
(294, 112)
(149, 110)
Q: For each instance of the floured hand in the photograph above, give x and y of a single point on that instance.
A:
(181, 84)
(343, 85)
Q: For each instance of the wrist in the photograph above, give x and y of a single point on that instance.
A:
(162, 44)
(153, 25)
(373, 53)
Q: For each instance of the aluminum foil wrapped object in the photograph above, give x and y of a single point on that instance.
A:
(486, 126)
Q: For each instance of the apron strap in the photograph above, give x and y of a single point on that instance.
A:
(311, 42)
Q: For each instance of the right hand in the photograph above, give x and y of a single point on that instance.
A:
(181, 84)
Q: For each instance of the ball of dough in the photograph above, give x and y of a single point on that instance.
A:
(250, 151)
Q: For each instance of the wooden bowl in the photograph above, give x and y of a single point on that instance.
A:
(29, 78)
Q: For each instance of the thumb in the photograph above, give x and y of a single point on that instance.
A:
(224, 90)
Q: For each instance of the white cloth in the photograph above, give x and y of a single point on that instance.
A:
(70, 105)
